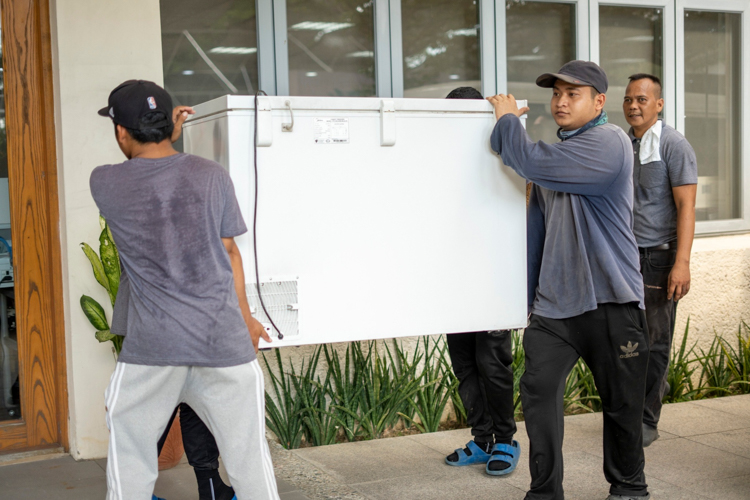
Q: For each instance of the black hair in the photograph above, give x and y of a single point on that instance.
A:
(655, 79)
(149, 134)
(464, 93)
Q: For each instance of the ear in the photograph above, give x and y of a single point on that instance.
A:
(660, 104)
(599, 101)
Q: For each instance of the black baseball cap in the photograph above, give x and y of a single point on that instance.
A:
(578, 73)
(133, 99)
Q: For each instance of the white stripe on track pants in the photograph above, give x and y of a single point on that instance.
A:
(141, 398)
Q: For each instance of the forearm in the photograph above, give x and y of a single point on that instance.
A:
(239, 285)
(685, 203)
(685, 233)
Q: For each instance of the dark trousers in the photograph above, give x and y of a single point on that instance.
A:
(483, 364)
(613, 341)
(200, 446)
(660, 317)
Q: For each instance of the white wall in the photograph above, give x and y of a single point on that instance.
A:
(719, 296)
(97, 44)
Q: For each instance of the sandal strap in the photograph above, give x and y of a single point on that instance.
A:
(474, 447)
(502, 450)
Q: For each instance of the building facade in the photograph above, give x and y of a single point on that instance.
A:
(62, 58)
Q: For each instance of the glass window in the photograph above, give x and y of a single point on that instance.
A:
(540, 37)
(331, 47)
(209, 49)
(440, 46)
(630, 42)
(712, 109)
(10, 408)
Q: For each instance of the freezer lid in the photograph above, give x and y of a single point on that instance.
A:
(245, 103)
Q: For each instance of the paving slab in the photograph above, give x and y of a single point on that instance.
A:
(686, 462)
(735, 405)
(736, 442)
(435, 486)
(693, 419)
(371, 460)
(734, 488)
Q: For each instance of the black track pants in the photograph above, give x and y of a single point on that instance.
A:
(200, 445)
(660, 317)
(483, 364)
(613, 341)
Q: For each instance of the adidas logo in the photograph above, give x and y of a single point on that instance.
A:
(629, 350)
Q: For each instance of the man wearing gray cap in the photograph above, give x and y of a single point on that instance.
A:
(584, 284)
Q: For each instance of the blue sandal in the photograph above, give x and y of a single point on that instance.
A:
(154, 497)
(478, 455)
(505, 453)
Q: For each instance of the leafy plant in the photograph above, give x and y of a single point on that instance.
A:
(284, 414)
(345, 387)
(715, 378)
(106, 268)
(433, 394)
(580, 390)
(738, 360)
(681, 372)
(319, 425)
(519, 366)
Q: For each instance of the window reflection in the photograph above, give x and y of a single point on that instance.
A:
(630, 42)
(540, 39)
(440, 46)
(331, 47)
(209, 49)
(712, 109)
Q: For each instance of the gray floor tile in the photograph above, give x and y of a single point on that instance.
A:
(284, 486)
(293, 495)
(736, 405)
(58, 472)
(734, 488)
(684, 462)
(371, 460)
(91, 488)
(471, 483)
(736, 442)
(692, 419)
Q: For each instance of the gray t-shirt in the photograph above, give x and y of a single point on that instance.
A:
(654, 209)
(177, 303)
(580, 245)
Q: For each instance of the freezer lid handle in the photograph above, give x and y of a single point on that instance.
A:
(265, 122)
(387, 122)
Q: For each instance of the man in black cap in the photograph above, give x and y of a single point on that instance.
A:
(190, 336)
(584, 283)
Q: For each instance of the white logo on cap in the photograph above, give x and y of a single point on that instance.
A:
(112, 112)
(151, 103)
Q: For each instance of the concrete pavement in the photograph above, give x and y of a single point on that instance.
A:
(703, 453)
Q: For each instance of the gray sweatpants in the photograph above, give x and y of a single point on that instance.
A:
(141, 398)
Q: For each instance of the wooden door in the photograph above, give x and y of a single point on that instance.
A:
(34, 221)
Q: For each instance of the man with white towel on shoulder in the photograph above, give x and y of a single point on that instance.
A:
(665, 177)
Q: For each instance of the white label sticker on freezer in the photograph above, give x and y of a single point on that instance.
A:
(332, 130)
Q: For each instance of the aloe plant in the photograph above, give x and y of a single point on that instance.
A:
(106, 267)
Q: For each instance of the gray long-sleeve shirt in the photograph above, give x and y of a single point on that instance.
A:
(581, 248)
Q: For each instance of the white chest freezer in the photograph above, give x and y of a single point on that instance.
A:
(376, 218)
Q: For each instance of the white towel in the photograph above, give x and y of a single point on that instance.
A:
(649, 151)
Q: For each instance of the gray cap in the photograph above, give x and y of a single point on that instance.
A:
(578, 73)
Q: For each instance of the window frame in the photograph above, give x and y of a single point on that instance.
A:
(273, 61)
(583, 48)
(741, 224)
(669, 85)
